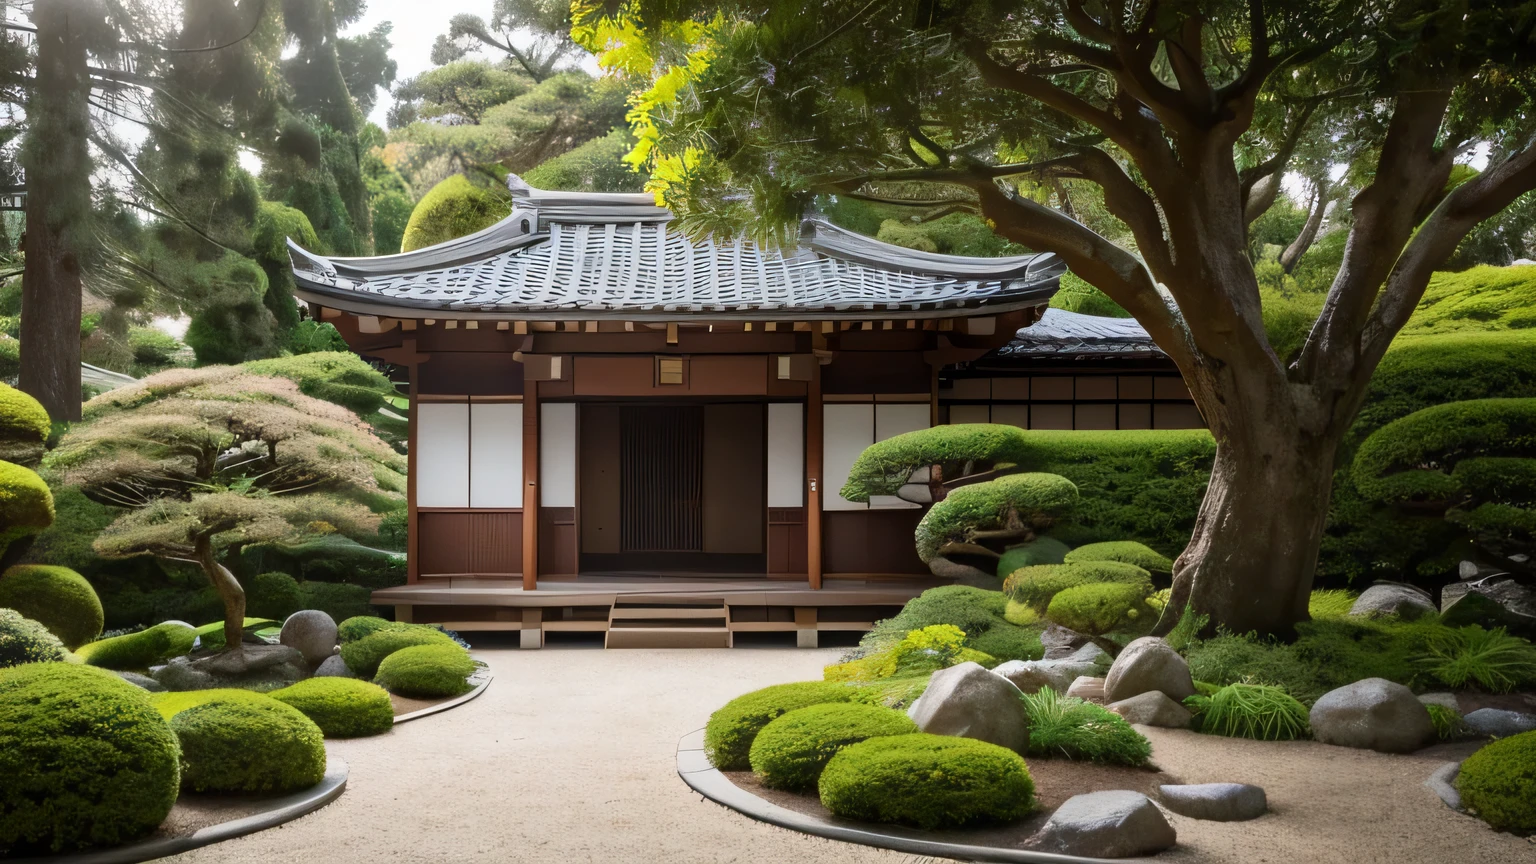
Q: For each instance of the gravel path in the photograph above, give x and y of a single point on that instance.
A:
(569, 757)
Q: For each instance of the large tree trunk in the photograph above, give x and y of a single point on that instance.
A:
(58, 175)
(229, 589)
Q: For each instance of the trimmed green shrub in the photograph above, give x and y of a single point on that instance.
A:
(358, 626)
(141, 650)
(1125, 552)
(791, 751)
(885, 466)
(26, 504)
(1421, 371)
(1257, 711)
(86, 760)
(1480, 298)
(427, 671)
(1102, 608)
(57, 597)
(730, 731)
(336, 599)
(364, 655)
(452, 208)
(24, 427)
(342, 707)
(596, 166)
(1037, 500)
(1453, 440)
(1042, 550)
(171, 703)
(1078, 729)
(248, 745)
(1036, 586)
(927, 781)
(1498, 783)
(1331, 603)
(23, 640)
(273, 595)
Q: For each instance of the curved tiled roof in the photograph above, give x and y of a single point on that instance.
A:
(570, 255)
(1063, 333)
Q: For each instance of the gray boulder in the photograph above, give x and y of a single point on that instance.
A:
(1374, 714)
(312, 632)
(969, 702)
(1115, 824)
(1153, 708)
(1215, 802)
(253, 664)
(1498, 723)
(963, 574)
(333, 667)
(1031, 675)
(1060, 643)
(1393, 598)
(1148, 664)
(1091, 689)
(138, 680)
(1492, 601)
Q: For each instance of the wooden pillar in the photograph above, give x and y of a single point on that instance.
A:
(412, 525)
(530, 485)
(814, 437)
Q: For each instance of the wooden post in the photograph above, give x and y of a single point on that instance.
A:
(412, 526)
(813, 442)
(530, 485)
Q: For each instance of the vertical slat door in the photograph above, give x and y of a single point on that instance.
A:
(661, 478)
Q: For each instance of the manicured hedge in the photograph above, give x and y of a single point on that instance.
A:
(58, 597)
(23, 640)
(1102, 607)
(885, 466)
(1422, 371)
(791, 751)
(730, 731)
(248, 745)
(85, 760)
(24, 427)
(364, 655)
(1498, 783)
(273, 595)
(427, 671)
(1042, 550)
(1038, 499)
(1470, 444)
(1479, 298)
(1123, 551)
(26, 504)
(1035, 586)
(141, 650)
(342, 707)
(927, 781)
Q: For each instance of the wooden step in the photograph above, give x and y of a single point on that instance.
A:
(670, 612)
(654, 624)
(668, 637)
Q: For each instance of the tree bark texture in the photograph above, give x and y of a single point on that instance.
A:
(229, 590)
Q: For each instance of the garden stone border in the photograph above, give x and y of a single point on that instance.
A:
(702, 777)
(281, 810)
(481, 679)
(1443, 783)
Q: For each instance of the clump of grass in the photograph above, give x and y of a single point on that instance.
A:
(1078, 729)
(1448, 723)
(1187, 631)
(1331, 603)
(1490, 659)
(1258, 711)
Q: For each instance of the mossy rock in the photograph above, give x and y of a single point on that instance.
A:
(1035, 586)
(141, 650)
(248, 745)
(58, 597)
(427, 671)
(453, 208)
(364, 655)
(1498, 783)
(1123, 551)
(791, 751)
(927, 781)
(1044, 550)
(730, 731)
(87, 761)
(341, 707)
(23, 640)
(24, 427)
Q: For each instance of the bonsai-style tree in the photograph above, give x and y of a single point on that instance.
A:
(206, 461)
(981, 520)
(923, 466)
(1181, 118)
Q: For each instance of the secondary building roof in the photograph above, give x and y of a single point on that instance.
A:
(567, 255)
(1060, 333)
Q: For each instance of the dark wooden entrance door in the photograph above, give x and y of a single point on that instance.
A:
(661, 478)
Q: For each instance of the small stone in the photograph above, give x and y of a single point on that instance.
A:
(1031, 675)
(1118, 824)
(138, 680)
(1153, 708)
(1393, 598)
(1085, 687)
(1467, 570)
(312, 632)
(1147, 664)
(1373, 714)
(1447, 700)
(1215, 802)
(970, 702)
(333, 667)
(1060, 643)
(1498, 723)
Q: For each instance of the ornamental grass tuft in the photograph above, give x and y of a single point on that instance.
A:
(1331, 603)
(1492, 660)
(1069, 727)
(1259, 711)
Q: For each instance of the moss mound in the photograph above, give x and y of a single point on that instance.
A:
(427, 671)
(364, 655)
(172, 703)
(791, 751)
(57, 597)
(248, 745)
(358, 626)
(927, 781)
(26, 504)
(729, 734)
(1036, 586)
(24, 427)
(1036, 499)
(273, 595)
(452, 208)
(139, 650)
(1045, 550)
(1125, 552)
(1102, 607)
(23, 640)
(341, 707)
(1498, 783)
(86, 760)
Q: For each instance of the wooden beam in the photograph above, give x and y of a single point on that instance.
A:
(671, 333)
(530, 484)
(813, 444)
(412, 525)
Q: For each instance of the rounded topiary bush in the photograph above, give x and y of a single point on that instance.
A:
(364, 655)
(341, 707)
(57, 597)
(1123, 551)
(85, 758)
(23, 640)
(1034, 499)
(1101, 607)
(452, 208)
(728, 735)
(273, 595)
(140, 650)
(1036, 586)
(24, 426)
(426, 671)
(26, 503)
(791, 751)
(248, 745)
(1498, 783)
(358, 626)
(1042, 550)
(927, 781)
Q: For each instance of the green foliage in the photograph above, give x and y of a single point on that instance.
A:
(391, 213)
(276, 224)
(336, 599)
(1037, 500)
(927, 781)
(1482, 298)
(340, 377)
(976, 611)
(86, 760)
(1101, 608)
(453, 208)
(1075, 728)
(24, 427)
(364, 655)
(952, 234)
(1036, 586)
(171, 703)
(56, 597)
(1331, 603)
(1491, 660)
(729, 734)
(341, 707)
(1042, 550)
(1288, 318)
(78, 519)
(153, 349)
(356, 627)
(791, 751)
(885, 466)
(248, 745)
(1498, 783)
(1078, 296)
(273, 595)
(1186, 632)
(1124, 551)
(1447, 721)
(23, 640)
(141, 650)
(426, 671)
(26, 504)
(595, 166)
(1259, 711)
(312, 337)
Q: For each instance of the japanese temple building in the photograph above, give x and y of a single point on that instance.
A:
(615, 428)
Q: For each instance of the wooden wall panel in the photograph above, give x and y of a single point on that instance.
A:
(557, 542)
(471, 374)
(871, 541)
(495, 543)
(786, 540)
(473, 543)
(733, 478)
(727, 375)
(444, 544)
(877, 372)
(598, 473)
(615, 376)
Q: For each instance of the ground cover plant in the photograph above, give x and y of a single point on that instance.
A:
(431, 671)
(979, 613)
(1073, 728)
(57, 597)
(341, 707)
(1498, 783)
(793, 749)
(927, 781)
(139, 651)
(1259, 711)
(23, 640)
(731, 729)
